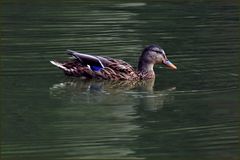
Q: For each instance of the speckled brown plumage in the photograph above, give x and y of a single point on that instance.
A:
(114, 69)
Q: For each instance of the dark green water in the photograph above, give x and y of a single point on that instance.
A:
(190, 113)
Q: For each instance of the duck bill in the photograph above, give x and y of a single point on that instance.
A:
(169, 65)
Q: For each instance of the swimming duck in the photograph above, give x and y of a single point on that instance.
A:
(98, 67)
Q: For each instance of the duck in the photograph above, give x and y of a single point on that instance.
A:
(106, 68)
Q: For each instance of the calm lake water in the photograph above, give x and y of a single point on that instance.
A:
(189, 113)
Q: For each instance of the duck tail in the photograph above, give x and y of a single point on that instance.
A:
(71, 70)
(60, 65)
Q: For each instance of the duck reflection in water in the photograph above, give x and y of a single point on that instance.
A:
(108, 112)
(112, 92)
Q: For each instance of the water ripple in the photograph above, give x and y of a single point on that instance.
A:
(190, 112)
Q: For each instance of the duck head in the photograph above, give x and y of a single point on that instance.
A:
(151, 55)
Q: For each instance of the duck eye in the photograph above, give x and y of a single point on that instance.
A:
(160, 52)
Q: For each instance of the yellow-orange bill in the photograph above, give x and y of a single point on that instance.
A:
(170, 65)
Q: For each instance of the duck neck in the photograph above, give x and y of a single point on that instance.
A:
(145, 67)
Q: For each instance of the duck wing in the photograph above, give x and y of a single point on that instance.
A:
(90, 66)
(95, 62)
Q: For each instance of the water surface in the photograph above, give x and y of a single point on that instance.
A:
(192, 112)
